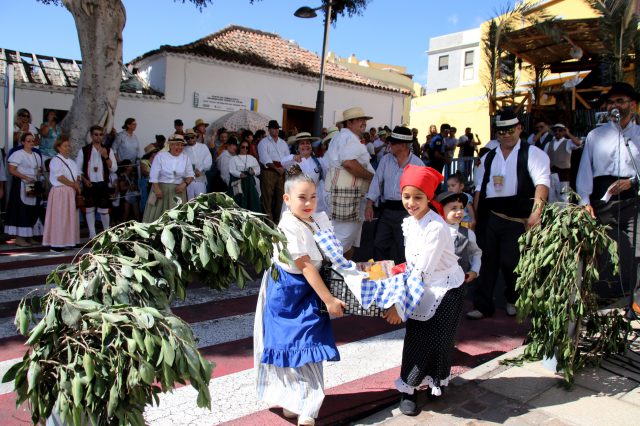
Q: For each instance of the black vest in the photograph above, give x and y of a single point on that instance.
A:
(461, 242)
(519, 205)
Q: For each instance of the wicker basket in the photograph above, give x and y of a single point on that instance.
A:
(339, 289)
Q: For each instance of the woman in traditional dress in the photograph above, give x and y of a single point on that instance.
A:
(61, 225)
(171, 173)
(315, 168)
(292, 336)
(25, 197)
(431, 327)
(244, 184)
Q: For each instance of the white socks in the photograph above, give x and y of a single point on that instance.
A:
(90, 215)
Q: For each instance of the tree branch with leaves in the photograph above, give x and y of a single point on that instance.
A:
(106, 342)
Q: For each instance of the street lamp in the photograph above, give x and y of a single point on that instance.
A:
(308, 12)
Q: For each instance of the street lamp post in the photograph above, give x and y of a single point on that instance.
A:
(307, 12)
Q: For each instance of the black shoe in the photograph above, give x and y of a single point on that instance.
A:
(408, 405)
(57, 249)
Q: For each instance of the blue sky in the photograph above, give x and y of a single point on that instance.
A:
(389, 31)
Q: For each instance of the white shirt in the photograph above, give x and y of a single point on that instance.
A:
(95, 164)
(28, 164)
(200, 157)
(538, 167)
(168, 168)
(239, 163)
(429, 248)
(60, 166)
(300, 240)
(222, 162)
(270, 150)
(605, 154)
(346, 146)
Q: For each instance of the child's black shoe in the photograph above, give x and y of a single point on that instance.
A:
(408, 405)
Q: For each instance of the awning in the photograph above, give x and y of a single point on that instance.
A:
(557, 41)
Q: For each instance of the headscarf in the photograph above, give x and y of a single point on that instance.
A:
(426, 179)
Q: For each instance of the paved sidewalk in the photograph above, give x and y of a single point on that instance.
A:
(531, 394)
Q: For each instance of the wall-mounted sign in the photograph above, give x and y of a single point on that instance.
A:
(223, 103)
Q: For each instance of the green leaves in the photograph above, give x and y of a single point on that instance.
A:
(107, 342)
(558, 265)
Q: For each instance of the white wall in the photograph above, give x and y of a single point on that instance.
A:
(185, 75)
(454, 45)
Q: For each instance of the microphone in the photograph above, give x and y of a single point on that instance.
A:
(614, 114)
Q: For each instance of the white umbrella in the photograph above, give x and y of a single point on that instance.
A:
(242, 119)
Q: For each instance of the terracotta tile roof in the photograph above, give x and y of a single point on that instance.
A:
(253, 47)
(31, 68)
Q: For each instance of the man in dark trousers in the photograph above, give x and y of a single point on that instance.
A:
(607, 182)
(437, 148)
(514, 185)
(385, 189)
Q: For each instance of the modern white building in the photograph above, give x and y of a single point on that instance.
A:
(235, 68)
(453, 60)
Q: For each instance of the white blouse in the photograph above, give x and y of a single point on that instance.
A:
(60, 166)
(239, 163)
(300, 240)
(200, 157)
(26, 163)
(308, 166)
(168, 168)
(430, 249)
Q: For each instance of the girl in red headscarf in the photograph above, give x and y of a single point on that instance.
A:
(431, 328)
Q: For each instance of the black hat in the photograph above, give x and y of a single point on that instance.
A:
(400, 135)
(621, 88)
(448, 196)
(506, 119)
(273, 124)
(178, 122)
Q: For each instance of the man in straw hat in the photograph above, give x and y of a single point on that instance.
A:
(272, 150)
(607, 181)
(348, 178)
(385, 189)
(514, 185)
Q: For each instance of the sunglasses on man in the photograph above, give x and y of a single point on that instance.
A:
(503, 132)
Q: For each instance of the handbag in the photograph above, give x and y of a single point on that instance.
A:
(346, 193)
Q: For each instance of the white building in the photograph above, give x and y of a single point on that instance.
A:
(453, 60)
(232, 69)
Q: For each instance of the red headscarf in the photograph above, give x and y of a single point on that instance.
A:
(425, 179)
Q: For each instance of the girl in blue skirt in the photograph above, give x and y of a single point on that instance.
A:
(291, 335)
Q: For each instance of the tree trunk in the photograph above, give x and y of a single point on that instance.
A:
(99, 24)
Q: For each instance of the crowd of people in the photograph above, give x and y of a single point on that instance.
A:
(449, 226)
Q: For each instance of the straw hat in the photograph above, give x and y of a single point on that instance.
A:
(200, 121)
(175, 138)
(353, 113)
(331, 132)
(302, 136)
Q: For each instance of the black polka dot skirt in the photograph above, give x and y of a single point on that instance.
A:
(426, 356)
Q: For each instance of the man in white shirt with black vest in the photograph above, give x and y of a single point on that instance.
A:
(513, 185)
(607, 182)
